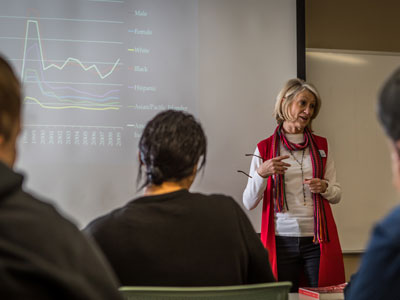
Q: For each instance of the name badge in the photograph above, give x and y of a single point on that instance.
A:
(322, 153)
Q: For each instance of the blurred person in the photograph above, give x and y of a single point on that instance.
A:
(42, 255)
(378, 277)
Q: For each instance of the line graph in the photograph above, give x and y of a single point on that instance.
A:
(49, 94)
(101, 64)
(69, 59)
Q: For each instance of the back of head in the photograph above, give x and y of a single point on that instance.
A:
(10, 100)
(23, 220)
(389, 106)
(171, 146)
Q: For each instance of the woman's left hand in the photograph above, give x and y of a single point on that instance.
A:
(316, 185)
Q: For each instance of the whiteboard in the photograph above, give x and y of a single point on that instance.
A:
(349, 82)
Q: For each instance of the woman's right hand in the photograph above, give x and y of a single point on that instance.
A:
(273, 166)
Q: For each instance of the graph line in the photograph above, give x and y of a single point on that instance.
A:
(64, 19)
(59, 60)
(63, 40)
(80, 83)
(109, 1)
(35, 77)
(74, 126)
(67, 87)
(69, 59)
(70, 106)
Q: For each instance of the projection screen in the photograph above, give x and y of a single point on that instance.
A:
(95, 71)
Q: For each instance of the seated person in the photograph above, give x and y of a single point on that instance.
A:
(378, 277)
(42, 255)
(170, 236)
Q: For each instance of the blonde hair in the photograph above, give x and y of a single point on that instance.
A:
(286, 96)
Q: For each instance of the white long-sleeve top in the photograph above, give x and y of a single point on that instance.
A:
(299, 219)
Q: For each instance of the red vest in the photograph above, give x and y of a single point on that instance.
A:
(331, 268)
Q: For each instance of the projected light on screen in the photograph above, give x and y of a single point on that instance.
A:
(95, 71)
(93, 78)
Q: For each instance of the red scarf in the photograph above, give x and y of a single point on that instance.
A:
(320, 226)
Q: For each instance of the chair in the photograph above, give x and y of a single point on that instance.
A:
(264, 291)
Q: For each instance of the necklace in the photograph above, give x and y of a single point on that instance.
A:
(300, 163)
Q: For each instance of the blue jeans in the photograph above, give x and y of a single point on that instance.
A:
(297, 256)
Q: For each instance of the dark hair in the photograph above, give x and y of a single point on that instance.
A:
(171, 145)
(10, 99)
(389, 106)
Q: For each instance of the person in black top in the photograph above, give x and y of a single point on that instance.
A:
(170, 236)
(42, 255)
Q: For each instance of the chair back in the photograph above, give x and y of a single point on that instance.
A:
(262, 291)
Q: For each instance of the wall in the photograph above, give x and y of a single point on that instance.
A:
(353, 25)
(367, 25)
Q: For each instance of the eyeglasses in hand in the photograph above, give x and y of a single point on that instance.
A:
(240, 171)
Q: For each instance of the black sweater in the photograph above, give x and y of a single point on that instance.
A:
(44, 256)
(182, 239)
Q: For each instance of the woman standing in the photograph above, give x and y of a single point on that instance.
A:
(294, 173)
